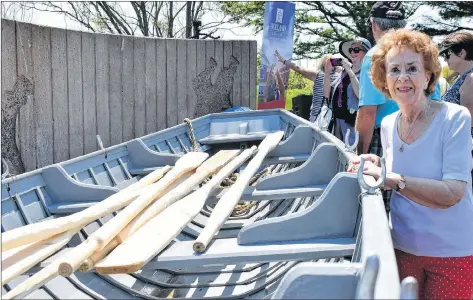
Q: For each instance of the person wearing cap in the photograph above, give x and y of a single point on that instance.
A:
(345, 90)
(373, 105)
(457, 50)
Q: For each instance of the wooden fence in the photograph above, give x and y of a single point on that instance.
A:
(119, 87)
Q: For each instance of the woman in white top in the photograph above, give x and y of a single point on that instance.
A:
(427, 148)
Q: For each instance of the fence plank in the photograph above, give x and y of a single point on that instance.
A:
(253, 74)
(88, 92)
(181, 81)
(24, 45)
(201, 61)
(128, 106)
(74, 83)
(139, 83)
(237, 78)
(219, 54)
(115, 65)
(9, 68)
(161, 86)
(227, 55)
(171, 107)
(210, 53)
(103, 85)
(150, 84)
(42, 95)
(59, 95)
(191, 74)
(245, 73)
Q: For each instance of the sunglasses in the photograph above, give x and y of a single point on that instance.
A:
(356, 50)
(446, 55)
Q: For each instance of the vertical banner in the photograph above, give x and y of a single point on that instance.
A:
(278, 34)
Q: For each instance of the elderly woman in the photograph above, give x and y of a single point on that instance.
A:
(427, 148)
(345, 91)
(457, 50)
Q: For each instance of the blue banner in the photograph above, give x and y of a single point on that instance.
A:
(278, 34)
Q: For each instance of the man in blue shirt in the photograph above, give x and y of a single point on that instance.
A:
(373, 105)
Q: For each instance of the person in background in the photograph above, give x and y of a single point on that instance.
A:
(281, 88)
(443, 85)
(373, 105)
(345, 90)
(315, 74)
(448, 74)
(427, 147)
(457, 50)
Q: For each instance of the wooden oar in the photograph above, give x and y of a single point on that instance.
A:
(227, 203)
(100, 238)
(209, 167)
(136, 251)
(89, 263)
(28, 257)
(43, 230)
(34, 282)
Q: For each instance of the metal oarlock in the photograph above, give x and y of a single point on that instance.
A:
(351, 148)
(371, 189)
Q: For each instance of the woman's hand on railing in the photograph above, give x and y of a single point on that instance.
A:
(372, 165)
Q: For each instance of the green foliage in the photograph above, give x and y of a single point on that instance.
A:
(250, 13)
(327, 23)
(452, 15)
(297, 85)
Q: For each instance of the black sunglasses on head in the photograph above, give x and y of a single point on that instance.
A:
(446, 55)
(356, 50)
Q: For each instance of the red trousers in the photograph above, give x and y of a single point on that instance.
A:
(438, 277)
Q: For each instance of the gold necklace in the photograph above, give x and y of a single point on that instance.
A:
(401, 148)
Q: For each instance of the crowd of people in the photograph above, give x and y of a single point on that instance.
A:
(394, 96)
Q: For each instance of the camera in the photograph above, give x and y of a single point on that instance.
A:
(336, 61)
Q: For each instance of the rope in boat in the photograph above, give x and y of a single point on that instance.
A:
(192, 135)
(243, 206)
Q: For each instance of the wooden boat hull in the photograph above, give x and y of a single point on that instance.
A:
(73, 185)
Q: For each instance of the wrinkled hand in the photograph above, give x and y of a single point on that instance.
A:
(279, 57)
(371, 167)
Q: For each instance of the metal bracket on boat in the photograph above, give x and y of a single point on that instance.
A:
(5, 169)
(371, 189)
(99, 142)
(367, 282)
(142, 157)
(351, 148)
(62, 188)
(301, 141)
(409, 288)
(325, 218)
